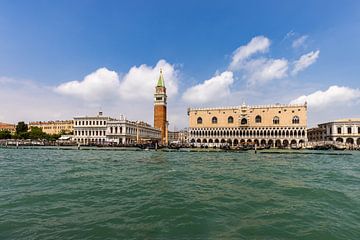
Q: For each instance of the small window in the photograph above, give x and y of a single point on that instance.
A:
(359, 130)
(276, 120)
(296, 120)
(214, 120)
(349, 130)
(243, 121)
(199, 120)
(339, 130)
(258, 119)
(230, 119)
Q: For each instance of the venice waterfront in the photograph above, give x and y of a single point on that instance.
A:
(71, 194)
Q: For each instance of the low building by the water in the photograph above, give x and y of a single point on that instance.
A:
(178, 136)
(342, 131)
(316, 134)
(7, 127)
(275, 125)
(91, 129)
(123, 131)
(54, 127)
(102, 129)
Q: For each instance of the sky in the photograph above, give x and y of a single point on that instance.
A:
(64, 58)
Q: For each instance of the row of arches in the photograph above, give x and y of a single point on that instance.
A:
(244, 121)
(246, 133)
(348, 140)
(258, 142)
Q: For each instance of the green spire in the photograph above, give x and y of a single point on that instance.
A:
(161, 82)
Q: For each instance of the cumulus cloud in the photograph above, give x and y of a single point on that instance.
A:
(210, 90)
(305, 61)
(263, 70)
(257, 70)
(334, 95)
(259, 44)
(99, 85)
(139, 82)
(300, 41)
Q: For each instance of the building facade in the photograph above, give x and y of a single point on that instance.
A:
(101, 129)
(160, 113)
(346, 131)
(7, 127)
(123, 131)
(54, 127)
(316, 134)
(274, 125)
(178, 136)
(91, 130)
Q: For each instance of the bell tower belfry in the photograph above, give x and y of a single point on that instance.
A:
(160, 114)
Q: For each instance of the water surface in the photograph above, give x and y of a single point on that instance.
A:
(71, 194)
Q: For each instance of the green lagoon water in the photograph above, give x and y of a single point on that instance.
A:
(71, 194)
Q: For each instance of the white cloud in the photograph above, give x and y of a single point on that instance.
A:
(263, 70)
(258, 70)
(300, 41)
(259, 44)
(305, 61)
(139, 82)
(334, 95)
(99, 85)
(210, 90)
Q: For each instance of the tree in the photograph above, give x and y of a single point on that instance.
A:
(37, 133)
(5, 134)
(21, 127)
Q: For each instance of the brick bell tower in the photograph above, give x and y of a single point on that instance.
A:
(160, 121)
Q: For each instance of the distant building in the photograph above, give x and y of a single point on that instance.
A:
(316, 134)
(174, 136)
(178, 136)
(7, 127)
(54, 127)
(345, 131)
(101, 129)
(123, 131)
(91, 129)
(275, 125)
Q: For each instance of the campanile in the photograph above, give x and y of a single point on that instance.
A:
(160, 121)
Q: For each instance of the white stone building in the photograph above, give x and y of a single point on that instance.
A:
(101, 129)
(122, 131)
(345, 131)
(90, 129)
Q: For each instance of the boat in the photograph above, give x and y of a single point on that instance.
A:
(338, 148)
(295, 147)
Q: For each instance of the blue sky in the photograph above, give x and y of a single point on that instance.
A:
(46, 44)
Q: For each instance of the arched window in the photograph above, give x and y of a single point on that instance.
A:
(257, 119)
(296, 120)
(243, 121)
(199, 120)
(230, 119)
(214, 120)
(276, 120)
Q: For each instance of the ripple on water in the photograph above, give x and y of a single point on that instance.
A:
(54, 194)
